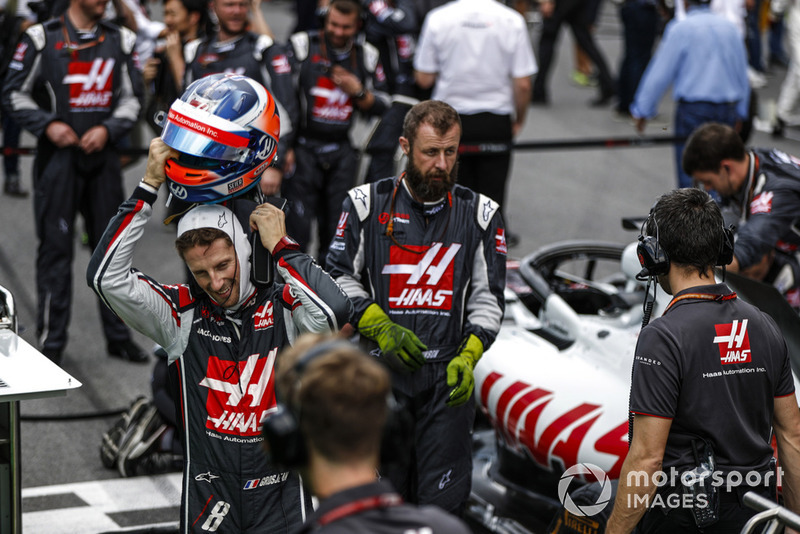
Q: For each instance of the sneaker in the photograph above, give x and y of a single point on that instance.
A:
(127, 350)
(756, 78)
(13, 187)
(778, 127)
(584, 80)
(603, 100)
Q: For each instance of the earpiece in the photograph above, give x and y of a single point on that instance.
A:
(652, 257)
(726, 247)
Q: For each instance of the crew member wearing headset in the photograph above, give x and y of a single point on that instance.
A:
(711, 386)
(330, 387)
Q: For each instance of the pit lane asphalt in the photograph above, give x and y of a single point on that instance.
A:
(553, 195)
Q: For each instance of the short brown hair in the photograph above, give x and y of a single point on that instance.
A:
(708, 145)
(340, 397)
(441, 116)
(345, 7)
(202, 237)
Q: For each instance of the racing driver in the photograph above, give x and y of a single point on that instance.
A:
(423, 261)
(222, 332)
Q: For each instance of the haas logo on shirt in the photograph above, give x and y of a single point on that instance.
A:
(90, 84)
(263, 317)
(331, 104)
(421, 277)
(239, 394)
(733, 342)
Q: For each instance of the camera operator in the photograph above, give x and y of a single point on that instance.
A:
(711, 383)
(337, 388)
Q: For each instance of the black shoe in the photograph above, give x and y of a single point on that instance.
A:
(603, 100)
(127, 350)
(538, 99)
(13, 187)
(778, 127)
(53, 354)
(512, 239)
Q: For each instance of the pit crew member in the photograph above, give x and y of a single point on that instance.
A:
(423, 260)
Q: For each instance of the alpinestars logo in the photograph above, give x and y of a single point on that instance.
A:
(734, 342)
(421, 280)
(90, 84)
(239, 394)
(331, 104)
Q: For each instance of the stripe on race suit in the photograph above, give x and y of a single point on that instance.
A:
(116, 505)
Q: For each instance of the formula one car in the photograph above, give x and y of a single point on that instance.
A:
(553, 389)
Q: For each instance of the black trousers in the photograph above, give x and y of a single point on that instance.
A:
(576, 14)
(485, 173)
(67, 182)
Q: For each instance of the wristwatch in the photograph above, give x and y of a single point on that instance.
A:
(362, 94)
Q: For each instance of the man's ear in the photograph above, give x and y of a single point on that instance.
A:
(404, 145)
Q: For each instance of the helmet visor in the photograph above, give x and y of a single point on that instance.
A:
(193, 131)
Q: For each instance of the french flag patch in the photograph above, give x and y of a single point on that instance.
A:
(250, 484)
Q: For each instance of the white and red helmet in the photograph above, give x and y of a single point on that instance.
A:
(226, 127)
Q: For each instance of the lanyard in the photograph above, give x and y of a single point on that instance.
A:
(700, 296)
(385, 500)
(74, 48)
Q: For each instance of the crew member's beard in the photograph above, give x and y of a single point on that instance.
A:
(433, 185)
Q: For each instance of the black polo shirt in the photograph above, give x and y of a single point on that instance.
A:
(713, 364)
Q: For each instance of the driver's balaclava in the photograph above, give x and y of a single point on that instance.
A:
(221, 218)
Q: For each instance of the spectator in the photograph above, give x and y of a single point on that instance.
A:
(762, 189)
(222, 333)
(234, 49)
(423, 261)
(790, 89)
(640, 23)
(479, 56)
(708, 86)
(330, 389)
(73, 84)
(336, 74)
(573, 12)
(693, 370)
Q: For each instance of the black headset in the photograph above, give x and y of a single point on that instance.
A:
(654, 259)
(281, 428)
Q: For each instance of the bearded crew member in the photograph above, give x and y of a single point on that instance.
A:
(423, 261)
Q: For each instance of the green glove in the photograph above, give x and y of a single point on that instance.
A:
(392, 338)
(468, 355)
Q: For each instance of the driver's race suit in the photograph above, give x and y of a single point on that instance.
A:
(769, 219)
(224, 361)
(441, 274)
